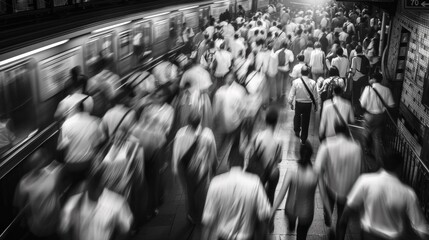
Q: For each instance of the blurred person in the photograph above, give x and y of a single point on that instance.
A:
(387, 208)
(103, 87)
(38, 194)
(236, 206)
(165, 72)
(120, 115)
(317, 61)
(301, 187)
(222, 64)
(374, 99)
(194, 163)
(336, 109)
(341, 63)
(262, 57)
(338, 164)
(78, 142)
(298, 43)
(196, 87)
(97, 213)
(296, 71)
(360, 69)
(207, 58)
(325, 87)
(186, 38)
(307, 52)
(324, 41)
(228, 108)
(7, 137)
(236, 46)
(302, 96)
(202, 47)
(268, 154)
(199, 37)
(272, 71)
(373, 52)
(285, 59)
(76, 94)
(241, 67)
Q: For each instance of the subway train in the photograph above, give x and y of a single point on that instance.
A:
(35, 77)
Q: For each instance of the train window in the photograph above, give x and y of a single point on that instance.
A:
(24, 5)
(125, 45)
(55, 72)
(192, 20)
(175, 30)
(204, 16)
(96, 47)
(91, 56)
(142, 41)
(17, 103)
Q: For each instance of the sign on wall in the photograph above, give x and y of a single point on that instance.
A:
(416, 4)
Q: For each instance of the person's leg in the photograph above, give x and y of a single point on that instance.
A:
(297, 119)
(286, 82)
(272, 184)
(302, 229)
(341, 203)
(377, 138)
(272, 82)
(305, 121)
(291, 222)
(279, 85)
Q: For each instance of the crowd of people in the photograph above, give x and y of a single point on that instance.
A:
(210, 114)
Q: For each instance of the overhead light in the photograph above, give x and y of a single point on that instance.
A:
(21, 56)
(157, 15)
(220, 2)
(183, 9)
(110, 27)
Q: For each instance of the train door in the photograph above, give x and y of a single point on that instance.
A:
(204, 16)
(125, 52)
(142, 42)
(99, 47)
(176, 21)
(191, 18)
(218, 8)
(18, 104)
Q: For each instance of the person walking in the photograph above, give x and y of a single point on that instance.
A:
(302, 96)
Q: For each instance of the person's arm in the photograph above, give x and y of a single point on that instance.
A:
(124, 220)
(210, 212)
(343, 222)
(316, 97)
(282, 193)
(323, 123)
(291, 97)
(364, 97)
(319, 168)
(416, 218)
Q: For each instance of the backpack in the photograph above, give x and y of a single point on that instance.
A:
(282, 57)
(330, 88)
(365, 66)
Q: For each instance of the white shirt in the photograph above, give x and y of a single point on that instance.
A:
(273, 63)
(296, 71)
(385, 201)
(96, 220)
(113, 116)
(224, 61)
(204, 158)
(339, 162)
(372, 103)
(235, 200)
(342, 63)
(262, 61)
(68, 105)
(317, 60)
(307, 54)
(229, 106)
(289, 58)
(80, 134)
(299, 93)
(236, 46)
(330, 116)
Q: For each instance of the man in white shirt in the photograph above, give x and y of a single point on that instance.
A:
(97, 213)
(330, 113)
(301, 100)
(386, 206)
(236, 201)
(79, 138)
(307, 52)
(341, 62)
(317, 61)
(236, 46)
(338, 163)
(272, 71)
(285, 59)
(359, 69)
(375, 114)
(296, 71)
(223, 62)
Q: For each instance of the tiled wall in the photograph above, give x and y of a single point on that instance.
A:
(417, 60)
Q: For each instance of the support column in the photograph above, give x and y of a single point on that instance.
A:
(383, 31)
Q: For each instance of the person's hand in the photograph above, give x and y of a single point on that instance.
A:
(292, 107)
(316, 109)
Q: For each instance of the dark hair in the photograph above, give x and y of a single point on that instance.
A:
(378, 77)
(194, 118)
(338, 90)
(392, 161)
(334, 72)
(340, 128)
(339, 51)
(305, 152)
(272, 116)
(256, 32)
(310, 44)
(305, 70)
(358, 49)
(299, 32)
(211, 44)
(317, 45)
(300, 57)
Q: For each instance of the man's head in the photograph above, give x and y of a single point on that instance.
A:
(317, 45)
(339, 52)
(305, 152)
(334, 72)
(300, 58)
(358, 49)
(338, 90)
(305, 70)
(378, 77)
(272, 117)
(194, 118)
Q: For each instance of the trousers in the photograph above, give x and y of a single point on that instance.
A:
(357, 89)
(281, 83)
(301, 121)
(373, 136)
